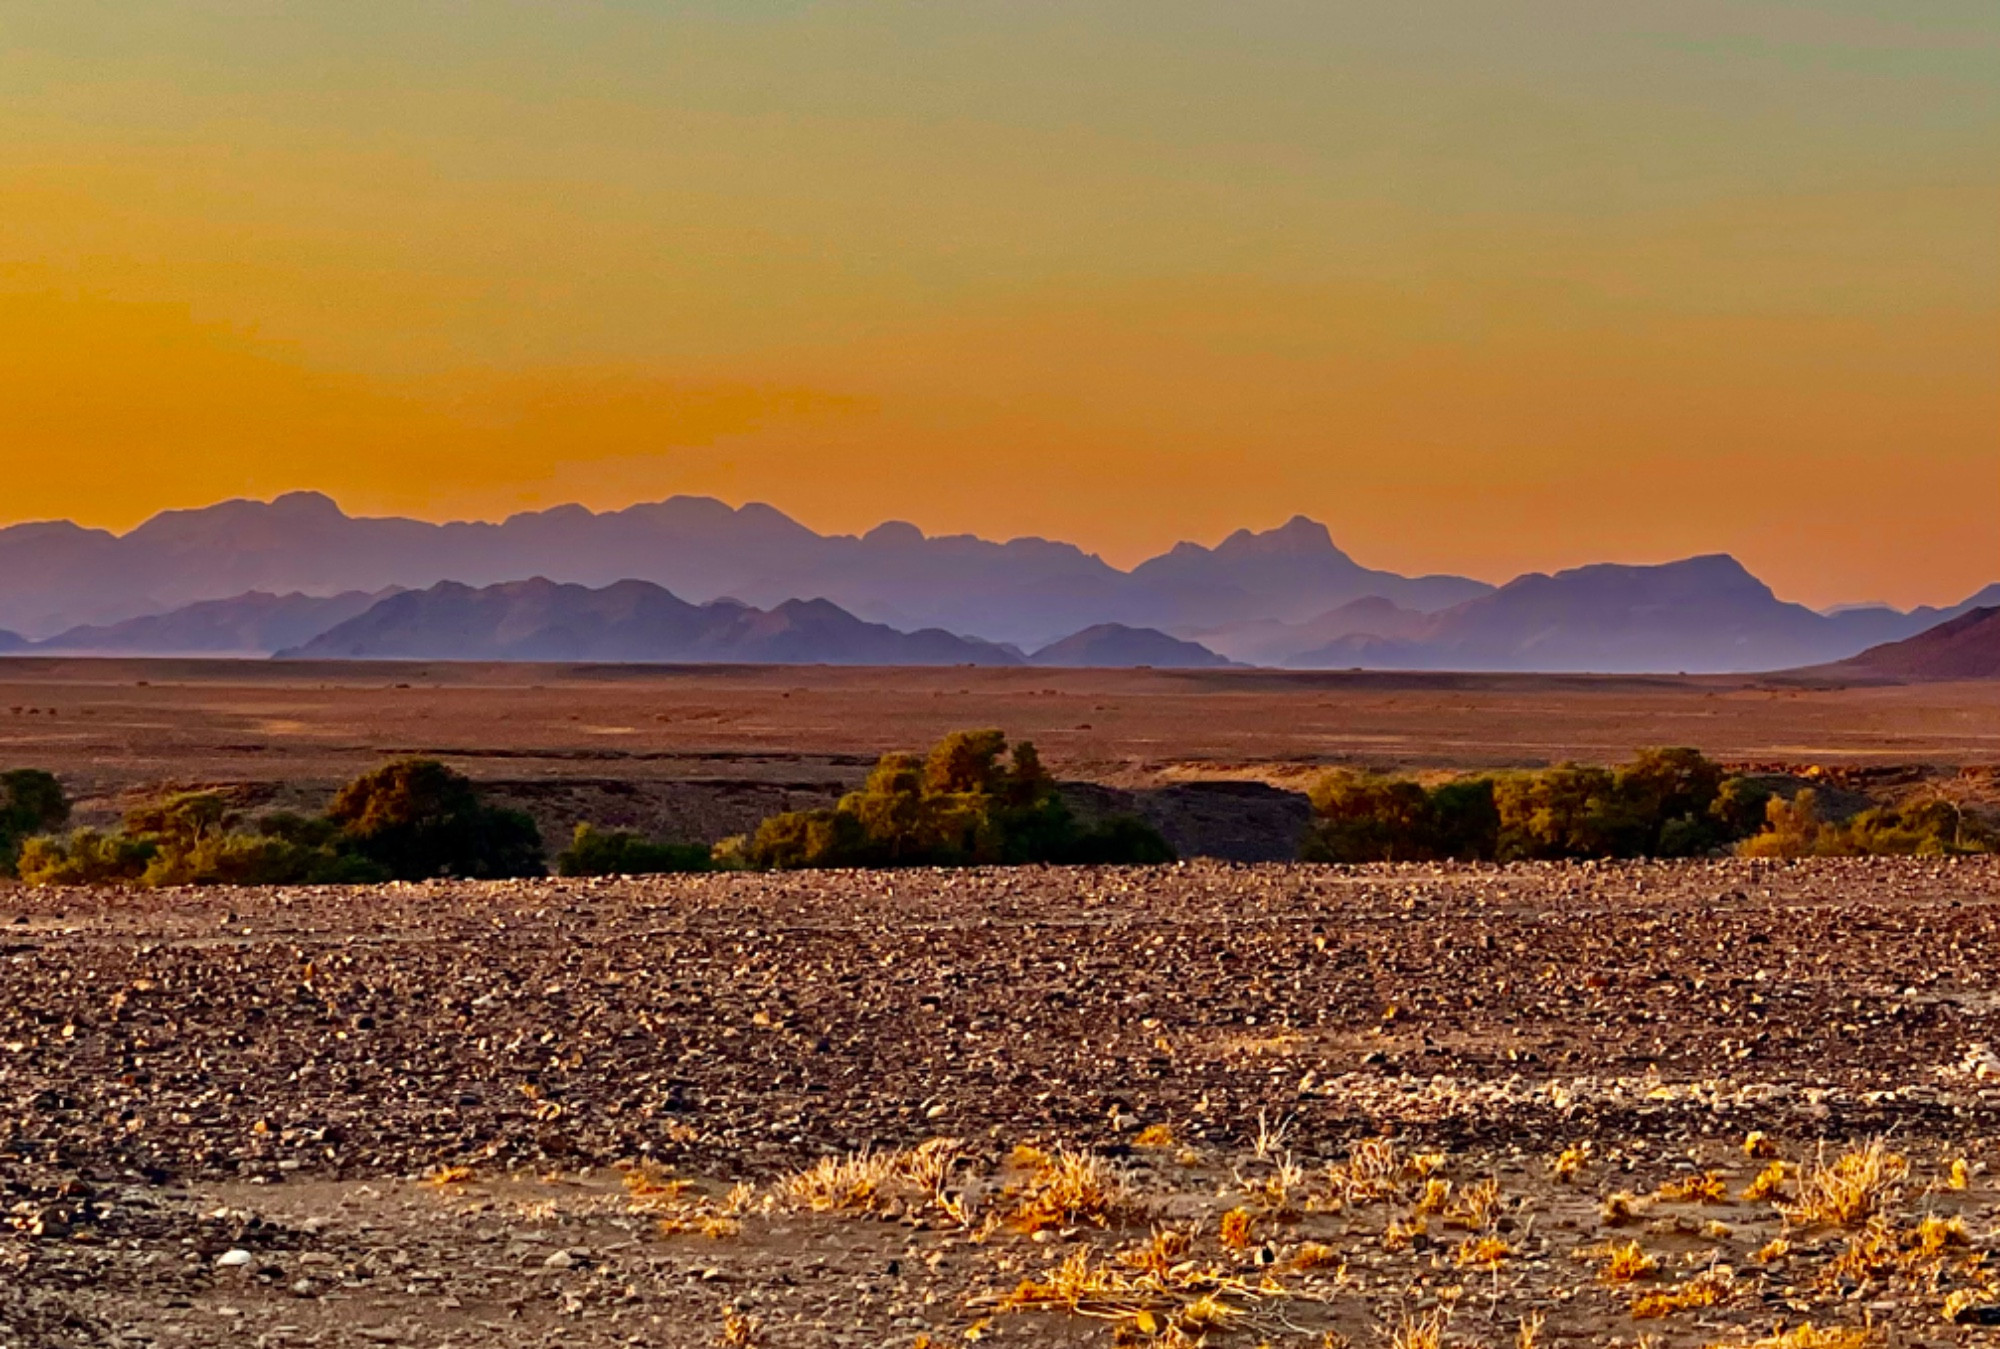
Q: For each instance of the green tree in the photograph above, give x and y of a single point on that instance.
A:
(31, 802)
(617, 852)
(418, 819)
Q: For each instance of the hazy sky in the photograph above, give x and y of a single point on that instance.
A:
(1487, 285)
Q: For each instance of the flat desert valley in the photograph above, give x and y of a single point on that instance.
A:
(1226, 1102)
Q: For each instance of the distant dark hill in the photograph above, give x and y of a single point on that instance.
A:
(1113, 646)
(1966, 647)
(1271, 641)
(1702, 615)
(255, 624)
(12, 641)
(1289, 573)
(629, 621)
(54, 577)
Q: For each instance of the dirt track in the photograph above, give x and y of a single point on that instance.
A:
(187, 1074)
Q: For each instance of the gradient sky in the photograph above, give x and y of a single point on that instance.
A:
(1486, 286)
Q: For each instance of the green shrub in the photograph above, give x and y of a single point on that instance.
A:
(969, 802)
(417, 819)
(86, 857)
(1923, 828)
(31, 802)
(616, 852)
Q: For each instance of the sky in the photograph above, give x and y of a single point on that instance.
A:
(1487, 287)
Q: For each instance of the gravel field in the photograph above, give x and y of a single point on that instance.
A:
(570, 1112)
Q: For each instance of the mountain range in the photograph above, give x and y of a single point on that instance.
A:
(1966, 647)
(695, 579)
(56, 576)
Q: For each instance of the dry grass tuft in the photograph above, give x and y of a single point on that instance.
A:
(1570, 1162)
(867, 1182)
(1528, 1335)
(1711, 1187)
(1404, 1233)
(1769, 1184)
(446, 1176)
(1156, 1136)
(1476, 1207)
(1706, 1289)
(1623, 1264)
(1067, 1189)
(1759, 1148)
(1239, 1230)
(1481, 1252)
(1857, 1186)
(1933, 1236)
(1315, 1255)
(1621, 1208)
(1420, 1332)
(650, 1181)
(740, 1331)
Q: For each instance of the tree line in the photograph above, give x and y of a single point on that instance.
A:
(1662, 803)
(972, 800)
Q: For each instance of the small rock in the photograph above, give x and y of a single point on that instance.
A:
(236, 1259)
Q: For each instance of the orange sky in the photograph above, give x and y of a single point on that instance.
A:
(1486, 292)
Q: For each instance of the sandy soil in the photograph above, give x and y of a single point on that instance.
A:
(114, 722)
(575, 1113)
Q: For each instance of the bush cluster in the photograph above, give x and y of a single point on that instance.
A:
(411, 820)
(970, 802)
(618, 852)
(1664, 803)
(1927, 828)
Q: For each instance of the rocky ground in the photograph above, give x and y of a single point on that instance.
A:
(1237, 1105)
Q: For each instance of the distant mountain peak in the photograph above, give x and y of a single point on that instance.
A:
(1298, 536)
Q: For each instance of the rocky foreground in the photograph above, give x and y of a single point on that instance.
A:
(1545, 1105)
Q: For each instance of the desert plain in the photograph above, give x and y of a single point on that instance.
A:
(1223, 1102)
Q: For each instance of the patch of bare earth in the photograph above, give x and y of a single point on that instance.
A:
(1729, 1103)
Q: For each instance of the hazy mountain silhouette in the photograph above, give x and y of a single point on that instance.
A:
(253, 624)
(57, 576)
(1701, 615)
(12, 641)
(636, 621)
(1116, 646)
(1284, 596)
(1289, 573)
(1272, 641)
(1966, 647)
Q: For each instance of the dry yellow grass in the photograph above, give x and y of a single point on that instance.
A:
(1485, 1252)
(1067, 1189)
(1569, 1162)
(1758, 1147)
(1769, 1184)
(1420, 1332)
(1623, 1264)
(1853, 1189)
(445, 1176)
(1704, 1290)
(1155, 1136)
(867, 1181)
(1476, 1206)
(740, 1331)
(1710, 1187)
(1239, 1230)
